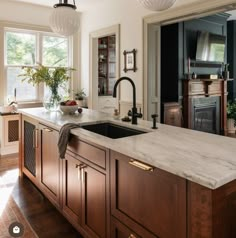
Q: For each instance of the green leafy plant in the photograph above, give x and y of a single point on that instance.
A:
(231, 110)
(52, 77)
(80, 94)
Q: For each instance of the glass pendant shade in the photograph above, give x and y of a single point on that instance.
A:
(157, 5)
(64, 21)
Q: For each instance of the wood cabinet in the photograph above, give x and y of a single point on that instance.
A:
(85, 197)
(49, 163)
(106, 64)
(107, 194)
(9, 133)
(148, 200)
(29, 149)
(107, 73)
(172, 114)
(94, 202)
(72, 189)
(39, 158)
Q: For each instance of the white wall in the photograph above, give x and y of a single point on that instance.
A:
(129, 14)
(24, 13)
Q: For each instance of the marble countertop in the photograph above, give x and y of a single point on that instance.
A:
(206, 159)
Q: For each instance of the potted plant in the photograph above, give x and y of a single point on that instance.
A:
(52, 77)
(79, 97)
(231, 116)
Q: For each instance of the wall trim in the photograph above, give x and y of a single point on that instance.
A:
(30, 27)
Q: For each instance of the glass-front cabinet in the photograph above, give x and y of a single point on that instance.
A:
(106, 65)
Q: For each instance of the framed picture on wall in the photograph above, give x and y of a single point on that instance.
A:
(130, 60)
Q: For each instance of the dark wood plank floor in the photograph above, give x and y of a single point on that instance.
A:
(43, 217)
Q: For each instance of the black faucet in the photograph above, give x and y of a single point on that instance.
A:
(134, 114)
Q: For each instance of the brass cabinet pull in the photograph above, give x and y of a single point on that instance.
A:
(35, 138)
(141, 165)
(132, 236)
(82, 174)
(47, 130)
(78, 168)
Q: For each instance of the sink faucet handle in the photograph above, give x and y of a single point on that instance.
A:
(154, 118)
(129, 113)
(140, 113)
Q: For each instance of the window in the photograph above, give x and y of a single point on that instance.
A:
(28, 48)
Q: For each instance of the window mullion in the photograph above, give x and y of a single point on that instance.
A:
(40, 60)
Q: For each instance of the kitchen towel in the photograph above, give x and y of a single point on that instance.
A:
(64, 138)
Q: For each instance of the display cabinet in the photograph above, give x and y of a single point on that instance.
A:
(106, 65)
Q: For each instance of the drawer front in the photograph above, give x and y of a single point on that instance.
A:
(87, 151)
(119, 230)
(156, 199)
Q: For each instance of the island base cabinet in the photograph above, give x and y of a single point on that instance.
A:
(148, 196)
(84, 197)
(94, 202)
(72, 190)
(211, 213)
(49, 164)
(29, 163)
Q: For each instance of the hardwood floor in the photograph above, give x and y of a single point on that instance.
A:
(41, 215)
(8, 163)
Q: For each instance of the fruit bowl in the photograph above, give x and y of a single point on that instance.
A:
(68, 109)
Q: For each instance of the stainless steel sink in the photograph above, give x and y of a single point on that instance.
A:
(111, 130)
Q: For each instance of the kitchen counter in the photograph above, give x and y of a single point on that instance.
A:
(206, 159)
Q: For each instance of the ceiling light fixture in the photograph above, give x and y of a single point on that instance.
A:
(157, 5)
(64, 19)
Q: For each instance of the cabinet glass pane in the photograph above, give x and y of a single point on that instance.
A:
(106, 65)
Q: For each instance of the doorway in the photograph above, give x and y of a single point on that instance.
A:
(152, 52)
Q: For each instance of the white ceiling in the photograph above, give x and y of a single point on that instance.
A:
(82, 5)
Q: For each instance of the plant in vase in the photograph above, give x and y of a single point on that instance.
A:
(231, 116)
(79, 97)
(52, 77)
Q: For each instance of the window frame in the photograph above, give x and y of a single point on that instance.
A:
(39, 34)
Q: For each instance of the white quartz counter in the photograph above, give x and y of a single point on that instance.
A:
(206, 159)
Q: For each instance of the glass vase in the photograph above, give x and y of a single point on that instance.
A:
(51, 100)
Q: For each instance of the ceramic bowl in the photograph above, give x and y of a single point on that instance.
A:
(69, 109)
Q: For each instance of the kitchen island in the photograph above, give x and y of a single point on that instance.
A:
(185, 187)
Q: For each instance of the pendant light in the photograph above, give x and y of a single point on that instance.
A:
(64, 19)
(157, 5)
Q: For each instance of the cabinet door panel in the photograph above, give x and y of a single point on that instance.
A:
(50, 160)
(72, 188)
(94, 202)
(29, 147)
(157, 199)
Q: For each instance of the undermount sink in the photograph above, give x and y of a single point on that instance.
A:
(112, 130)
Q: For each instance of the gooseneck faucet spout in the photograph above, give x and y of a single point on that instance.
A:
(134, 113)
